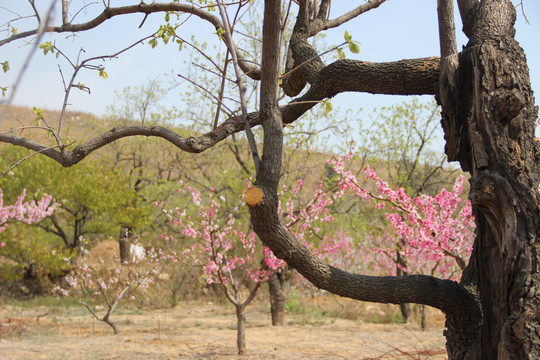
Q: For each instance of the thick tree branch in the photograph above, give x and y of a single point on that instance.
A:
(449, 57)
(447, 29)
(303, 63)
(302, 55)
(270, 113)
(404, 77)
(446, 295)
(467, 11)
(65, 7)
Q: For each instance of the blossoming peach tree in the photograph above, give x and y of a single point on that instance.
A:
(228, 254)
(429, 234)
(24, 211)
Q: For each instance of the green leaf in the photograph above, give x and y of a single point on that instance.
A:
(327, 107)
(14, 31)
(47, 46)
(348, 38)
(353, 46)
(102, 73)
(341, 54)
(220, 33)
(167, 17)
(4, 89)
(153, 42)
(39, 113)
(5, 66)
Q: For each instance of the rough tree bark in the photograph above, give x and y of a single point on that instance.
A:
(489, 119)
(279, 286)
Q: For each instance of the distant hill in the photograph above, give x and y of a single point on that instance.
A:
(77, 125)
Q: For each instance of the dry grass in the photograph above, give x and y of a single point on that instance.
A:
(207, 331)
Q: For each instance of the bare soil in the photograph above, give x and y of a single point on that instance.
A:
(208, 331)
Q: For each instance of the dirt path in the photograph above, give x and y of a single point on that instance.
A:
(194, 331)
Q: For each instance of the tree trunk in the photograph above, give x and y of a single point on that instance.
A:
(240, 329)
(403, 307)
(405, 310)
(489, 119)
(124, 244)
(423, 321)
(279, 288)
(111, 324)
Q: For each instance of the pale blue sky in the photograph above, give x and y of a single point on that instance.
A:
(396, 30)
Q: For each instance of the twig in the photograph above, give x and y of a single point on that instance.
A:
(42, 315)
(206, 91)
(24, 159)
(241, 86)
(221, 90)
(43, 25)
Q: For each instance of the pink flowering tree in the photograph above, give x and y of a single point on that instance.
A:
(434, 234)
(24, 258)
(305, 209)
(431, 235)
(225, 251)
(24, 211)
(228, 254)
(108, 281)
(341, 249)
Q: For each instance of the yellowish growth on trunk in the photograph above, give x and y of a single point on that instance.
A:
(254, 196)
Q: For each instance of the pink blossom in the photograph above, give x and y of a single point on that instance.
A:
(430, 232)
(26, 212)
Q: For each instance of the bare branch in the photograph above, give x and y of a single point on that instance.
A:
(447, 29)
(65, 7)
(216, 98)
(43, 27)
(241, 87)
(252, 294)
(36, 12)
(319, 25)
(221, 90)
(77, 68)
(143, 8)
(84, 7)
